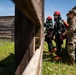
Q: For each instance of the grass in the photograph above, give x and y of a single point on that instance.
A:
(52, 67)
(49, 66)
(7, 65)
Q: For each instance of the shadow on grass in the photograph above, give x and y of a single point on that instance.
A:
(65, 56)
(50, 57)
(7, 66)
(47, 56)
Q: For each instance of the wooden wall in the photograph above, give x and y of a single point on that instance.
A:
(29, 17)
(7, 27)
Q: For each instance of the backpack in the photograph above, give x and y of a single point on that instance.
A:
(65, 23)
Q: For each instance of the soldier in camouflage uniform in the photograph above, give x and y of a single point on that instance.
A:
(49, 28)
(59, 29)
(71, 33)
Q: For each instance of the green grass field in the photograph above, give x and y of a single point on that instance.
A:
(52, 67)
(7, 65)
(49, 66)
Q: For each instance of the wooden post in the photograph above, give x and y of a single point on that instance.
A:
(28, 34)
(24, 35)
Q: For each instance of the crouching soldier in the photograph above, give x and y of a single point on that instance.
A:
(71, 33)
(49, 29)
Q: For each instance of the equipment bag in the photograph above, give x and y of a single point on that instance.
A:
(65, 23)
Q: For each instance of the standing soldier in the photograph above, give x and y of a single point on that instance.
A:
(49, 29)
(59, 29)
(71, 33)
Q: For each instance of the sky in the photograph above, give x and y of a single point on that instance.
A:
(61, 5)
(7, 7)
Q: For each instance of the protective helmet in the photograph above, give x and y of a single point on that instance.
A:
(49, 18)
(57, 13)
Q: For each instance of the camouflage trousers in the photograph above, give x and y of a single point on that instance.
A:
(72, 51)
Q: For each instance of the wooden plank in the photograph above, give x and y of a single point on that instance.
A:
(8, 28)
(33, 65)
(35, 11)
(5, 32)
(24, 35)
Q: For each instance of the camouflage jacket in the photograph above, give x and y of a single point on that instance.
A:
(59, 27)
(48, 25)
(71, 31)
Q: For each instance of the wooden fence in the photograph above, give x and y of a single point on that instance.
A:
(29, 17)
(7, 27)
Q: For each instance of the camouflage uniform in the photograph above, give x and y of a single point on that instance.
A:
(48, 25)
(71, 33)
(48, 39)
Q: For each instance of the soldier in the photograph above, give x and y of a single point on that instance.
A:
(49, 29)
(71, 33)
(59, 29)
